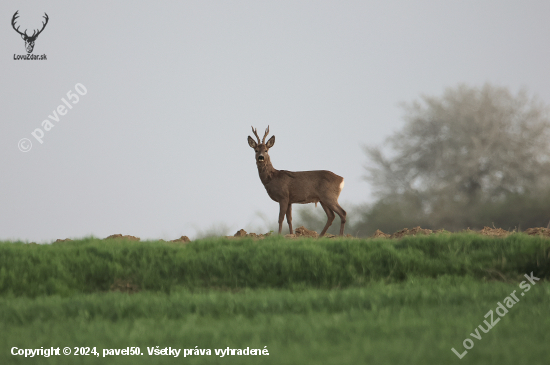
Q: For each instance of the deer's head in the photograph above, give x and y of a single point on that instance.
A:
(262, 148)
(29, 40)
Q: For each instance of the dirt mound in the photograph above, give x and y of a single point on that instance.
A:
(539, 231)
(304, 232)
(182, 239)
(494, 232)
(124, 286)
(486, 231)
(298, 232)
(119, 236)
(410, 232)
(60, 240)
(242, 233)
(380, 234)
(257, 236)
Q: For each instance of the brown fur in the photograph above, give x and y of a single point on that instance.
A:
(301, 187)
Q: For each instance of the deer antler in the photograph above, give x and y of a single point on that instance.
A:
(256, 134)
(265, 135)
(43, 26)
(34, 34)
(15, 16)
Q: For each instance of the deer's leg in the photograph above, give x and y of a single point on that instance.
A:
(330, 216)
(283, 206)
(342, 213)
(289, 218)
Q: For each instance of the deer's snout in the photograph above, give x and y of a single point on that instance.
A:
(260, 158)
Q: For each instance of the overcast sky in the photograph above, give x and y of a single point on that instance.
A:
(156, 147)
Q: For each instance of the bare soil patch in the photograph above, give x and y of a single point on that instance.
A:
(494, 232)
(411, 232)
(182, 239)
(380, 234)
(119, 236)
(486, 231)
(304, 232)
(539, 231)
(242, 233)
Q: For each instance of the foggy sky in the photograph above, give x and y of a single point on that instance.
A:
(157, 147)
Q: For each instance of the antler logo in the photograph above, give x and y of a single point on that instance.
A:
(29, 40)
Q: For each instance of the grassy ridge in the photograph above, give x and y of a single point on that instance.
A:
(93, 265)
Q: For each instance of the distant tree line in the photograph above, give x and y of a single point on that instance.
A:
(473, 157)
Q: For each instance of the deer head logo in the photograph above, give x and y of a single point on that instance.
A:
(29, 40)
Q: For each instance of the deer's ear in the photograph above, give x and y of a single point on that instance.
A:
(271, 142)
(252, 143)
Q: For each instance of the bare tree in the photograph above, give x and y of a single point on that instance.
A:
(469, 146)
(302, 187)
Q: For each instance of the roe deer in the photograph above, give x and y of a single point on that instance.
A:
(301, 187)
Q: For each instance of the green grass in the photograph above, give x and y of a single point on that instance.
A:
(93, 265)
(309, 301)
(414, 322)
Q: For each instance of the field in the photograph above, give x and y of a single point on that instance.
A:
(303, 301)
